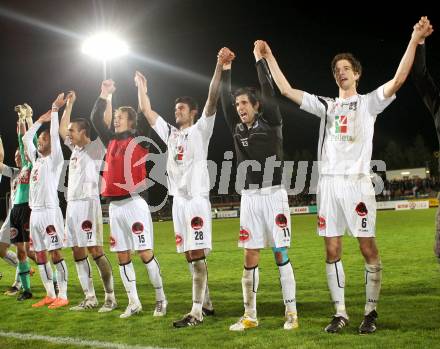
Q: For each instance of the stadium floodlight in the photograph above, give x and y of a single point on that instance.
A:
(104, 46)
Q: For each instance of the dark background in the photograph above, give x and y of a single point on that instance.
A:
(175, 44)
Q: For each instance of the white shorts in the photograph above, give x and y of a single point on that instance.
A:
(346, 203)
(264, 218)
(5, 230)
(192, 223)
(47, 229)
(131, 227)
(84, 223)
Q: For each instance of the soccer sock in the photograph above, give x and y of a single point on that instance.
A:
(55, 275)
(200, 278)
(47, 278)
(84, 271)
(249, 283)
(153, 270)
(128, 277)
(373, 278)
(62, 278)
(11, 258)
(336, 284)
(106, 273)
(24, 268)
(207, 303)
(288, 286)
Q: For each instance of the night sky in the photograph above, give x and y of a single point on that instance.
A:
(175, 44)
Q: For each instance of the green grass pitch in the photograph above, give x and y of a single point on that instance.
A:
(409, 308)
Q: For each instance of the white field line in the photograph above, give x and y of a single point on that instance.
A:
(72, 341)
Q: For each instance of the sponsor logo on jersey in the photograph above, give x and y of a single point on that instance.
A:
(13, 233)
(178, 239)
(137, 228)
(321, 222)
(50, 230)
(361, 209)
(341, 122)
(87, 226)
(281, 220)
(180, 152)
(244, 234)
(197, 223)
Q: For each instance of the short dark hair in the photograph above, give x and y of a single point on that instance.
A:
(251, 92)
(83, 124)
(191, 102)
(356, 65)
(131, 114)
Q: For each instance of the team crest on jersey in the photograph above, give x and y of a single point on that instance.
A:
(13, 233)
(24, 176)
(281, 220)
(50, 230)
(137, 228)
(244, 234)
(361, 209)
(321, 223)
(112, 241)
(179, 154)
(87, 226)
(197, 223)
(35, 175)
(341, 124)
(178, 239)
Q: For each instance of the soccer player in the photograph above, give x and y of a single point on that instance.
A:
(188, 183)
(83, 213)
(20, 212)
(130, 219)
(345, 196)
(256, 127)
(430, 93)
(46, 222)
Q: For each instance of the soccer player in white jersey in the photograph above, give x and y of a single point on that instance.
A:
(46, 222)
(83, 213)
(188, 183)
(346, 198)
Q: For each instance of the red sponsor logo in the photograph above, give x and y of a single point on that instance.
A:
(321, 222)
(137, 228)
(281, 220)
(180, 152)
(178, 239)
(244, 235)
(50, 230)
(361, 209)
(112, 241)
(86, 226)
(197, 223)
(13, 232)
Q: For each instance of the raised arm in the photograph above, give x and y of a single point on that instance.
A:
(214, 86)
(30, 134)
(2, 154)
(419, 33)
(97, 115)
(228, 102)
(55, 146)
(144, 101)
(108, 114)
(283, 85)
(65, 119)
(21, 130)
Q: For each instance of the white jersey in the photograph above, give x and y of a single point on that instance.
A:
(346, 131)
(12, 173)
(187, 165)
(84, 166)
(46, 171)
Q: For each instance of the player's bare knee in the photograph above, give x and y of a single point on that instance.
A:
(96, 251)
(21, 253)
(41, 257)
(56, 256)
(146, 255)
(196, 254)
(251, 257)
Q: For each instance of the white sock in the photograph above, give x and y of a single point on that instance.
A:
(288, 287)
(63, 276)
(84, 271)
(249, 283)
(200, 278)
(11, 258)
(153, 269)
(207, 303)
(373, 278)
(336, 284)
(47, 278)
(128, 277)
(17, 281)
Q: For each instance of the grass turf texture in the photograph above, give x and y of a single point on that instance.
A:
(409, 315)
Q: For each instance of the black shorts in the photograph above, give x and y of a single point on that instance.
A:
(19, 220)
